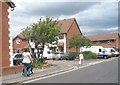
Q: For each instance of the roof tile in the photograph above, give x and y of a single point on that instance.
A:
(103, 37)
(66, 24)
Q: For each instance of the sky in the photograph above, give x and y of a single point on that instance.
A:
(95, 17)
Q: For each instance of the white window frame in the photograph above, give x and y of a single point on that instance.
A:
(18, 41)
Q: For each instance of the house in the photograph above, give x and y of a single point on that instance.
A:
(68, 28)
(19, 42)
(6, 62)
(5, 35)
(106, 40)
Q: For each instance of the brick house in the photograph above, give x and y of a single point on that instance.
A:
(106, 40)
(19, 43)
(6, 6)
(5, 35)
(69, 28)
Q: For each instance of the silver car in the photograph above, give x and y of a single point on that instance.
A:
(59, 56)
(17, 60)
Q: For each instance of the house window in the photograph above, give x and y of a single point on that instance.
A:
(18, 41)
(97, 42)
(61, 36)
(109, 41)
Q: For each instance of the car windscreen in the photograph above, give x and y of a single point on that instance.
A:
(18, 56)
(56, 53)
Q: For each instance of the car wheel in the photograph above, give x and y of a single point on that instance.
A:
(105, 57)
(60, 58)
(17, 63)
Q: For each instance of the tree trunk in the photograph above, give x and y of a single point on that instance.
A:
(36, 46)
(42, 50)
(29, 47)
(76, 49)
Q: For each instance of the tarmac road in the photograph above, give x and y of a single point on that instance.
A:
(105, 72)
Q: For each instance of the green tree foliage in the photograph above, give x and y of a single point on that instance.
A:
(45, 31)
(75, 42)
(27, 34)
(79, 41)
(85, 41)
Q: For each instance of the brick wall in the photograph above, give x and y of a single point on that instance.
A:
(7, 70)
(104, 43)
(118, 43)
(74, 30)
(0, 34)
(4, 55)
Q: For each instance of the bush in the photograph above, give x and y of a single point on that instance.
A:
(89, 55)
(37, 63)
(75, 54)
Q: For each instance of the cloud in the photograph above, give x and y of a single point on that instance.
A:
(100, 17)
(27, 13)
(92, 17)
(51, 8)
(93, 30)
(60, 8)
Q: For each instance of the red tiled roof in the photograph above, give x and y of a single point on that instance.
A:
(103, 37)
(21, 35)
(65, 25)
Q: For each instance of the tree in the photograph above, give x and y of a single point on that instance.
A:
(77, 42)
(85, 41)
(45, 32)
(27, 34)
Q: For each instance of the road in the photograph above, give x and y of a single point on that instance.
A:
(105, 72)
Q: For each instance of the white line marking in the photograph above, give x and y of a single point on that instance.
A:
(48, 76)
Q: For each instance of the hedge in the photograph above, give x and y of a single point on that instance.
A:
(89, 55)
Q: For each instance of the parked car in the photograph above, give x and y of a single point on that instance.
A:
(17, 60)
(59, 56)
(70, 56)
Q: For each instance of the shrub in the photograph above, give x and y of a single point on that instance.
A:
(37, 63)
(89, 55)
(76, 54)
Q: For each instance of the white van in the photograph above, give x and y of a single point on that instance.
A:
(113, 51)
(99, 50)
(47, 53)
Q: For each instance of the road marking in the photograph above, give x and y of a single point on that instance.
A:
(49, 76)
(107, 60)
(75, 68)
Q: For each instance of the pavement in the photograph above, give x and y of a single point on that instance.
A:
(58, 66)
